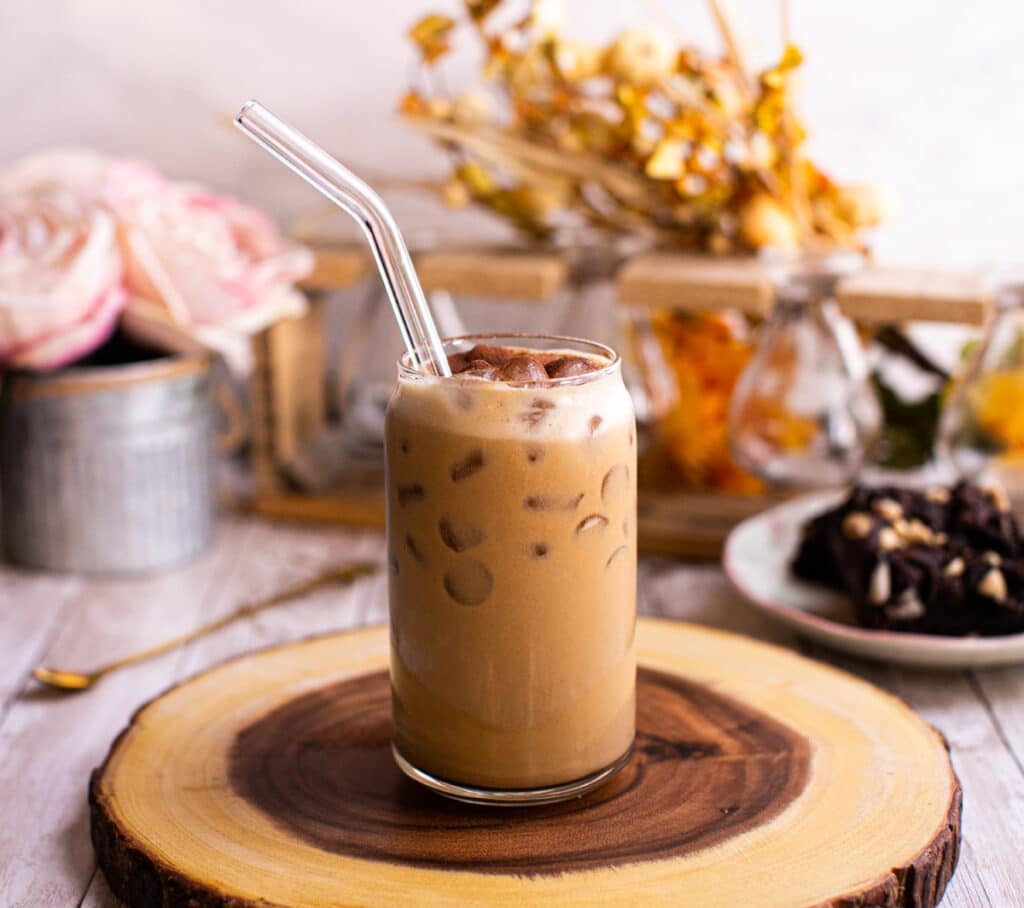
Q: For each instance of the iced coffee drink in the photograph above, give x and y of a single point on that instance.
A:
(511, 513)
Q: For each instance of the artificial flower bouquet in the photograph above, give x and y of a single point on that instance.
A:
(91, 244)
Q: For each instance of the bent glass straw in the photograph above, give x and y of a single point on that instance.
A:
(352, 195)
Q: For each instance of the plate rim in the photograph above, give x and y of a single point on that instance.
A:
(894, 643)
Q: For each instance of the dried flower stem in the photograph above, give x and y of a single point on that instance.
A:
(732, 44)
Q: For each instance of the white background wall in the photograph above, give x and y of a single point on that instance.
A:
(925, 97)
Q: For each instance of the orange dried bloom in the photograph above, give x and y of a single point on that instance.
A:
(682, 146)
(706, 356)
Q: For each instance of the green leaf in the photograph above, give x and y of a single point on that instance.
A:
(909, 427)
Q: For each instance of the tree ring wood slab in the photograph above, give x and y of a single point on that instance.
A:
(759, 778)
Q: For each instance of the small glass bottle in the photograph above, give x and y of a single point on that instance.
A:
(981, 431)
(803, 413)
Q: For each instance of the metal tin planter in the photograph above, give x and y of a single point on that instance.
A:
(108, 469)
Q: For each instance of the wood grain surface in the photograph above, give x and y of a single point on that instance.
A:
(46, 859)
(759, 778)
(321, 766)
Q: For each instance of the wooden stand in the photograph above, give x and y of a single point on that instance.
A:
(758, 778)
(287, 389)
(875, 296)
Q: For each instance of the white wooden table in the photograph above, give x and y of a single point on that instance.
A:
(50, 742)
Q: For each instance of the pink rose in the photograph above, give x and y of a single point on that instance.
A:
(86, 240)
(204, 265)
(60, 265)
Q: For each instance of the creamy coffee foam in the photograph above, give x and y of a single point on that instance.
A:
(573, 402)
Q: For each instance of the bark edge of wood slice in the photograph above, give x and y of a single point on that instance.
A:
(267, 780)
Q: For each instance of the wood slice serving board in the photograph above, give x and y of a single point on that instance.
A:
(759, 778)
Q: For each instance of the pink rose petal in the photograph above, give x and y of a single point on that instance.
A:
(82, 236)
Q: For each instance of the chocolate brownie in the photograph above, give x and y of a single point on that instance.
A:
(933, 561)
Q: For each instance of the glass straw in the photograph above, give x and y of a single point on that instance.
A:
(352, 195)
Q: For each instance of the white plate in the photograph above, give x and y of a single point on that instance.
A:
(756, 559)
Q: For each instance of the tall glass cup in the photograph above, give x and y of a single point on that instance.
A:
(511, 522)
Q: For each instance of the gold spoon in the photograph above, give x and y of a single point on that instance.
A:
(71, 681)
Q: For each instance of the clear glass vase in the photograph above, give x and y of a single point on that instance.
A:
(981, 432)
(803, 413)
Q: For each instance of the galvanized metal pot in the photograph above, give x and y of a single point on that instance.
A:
(108, 468)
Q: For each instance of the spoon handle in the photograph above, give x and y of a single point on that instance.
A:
(343, 575)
